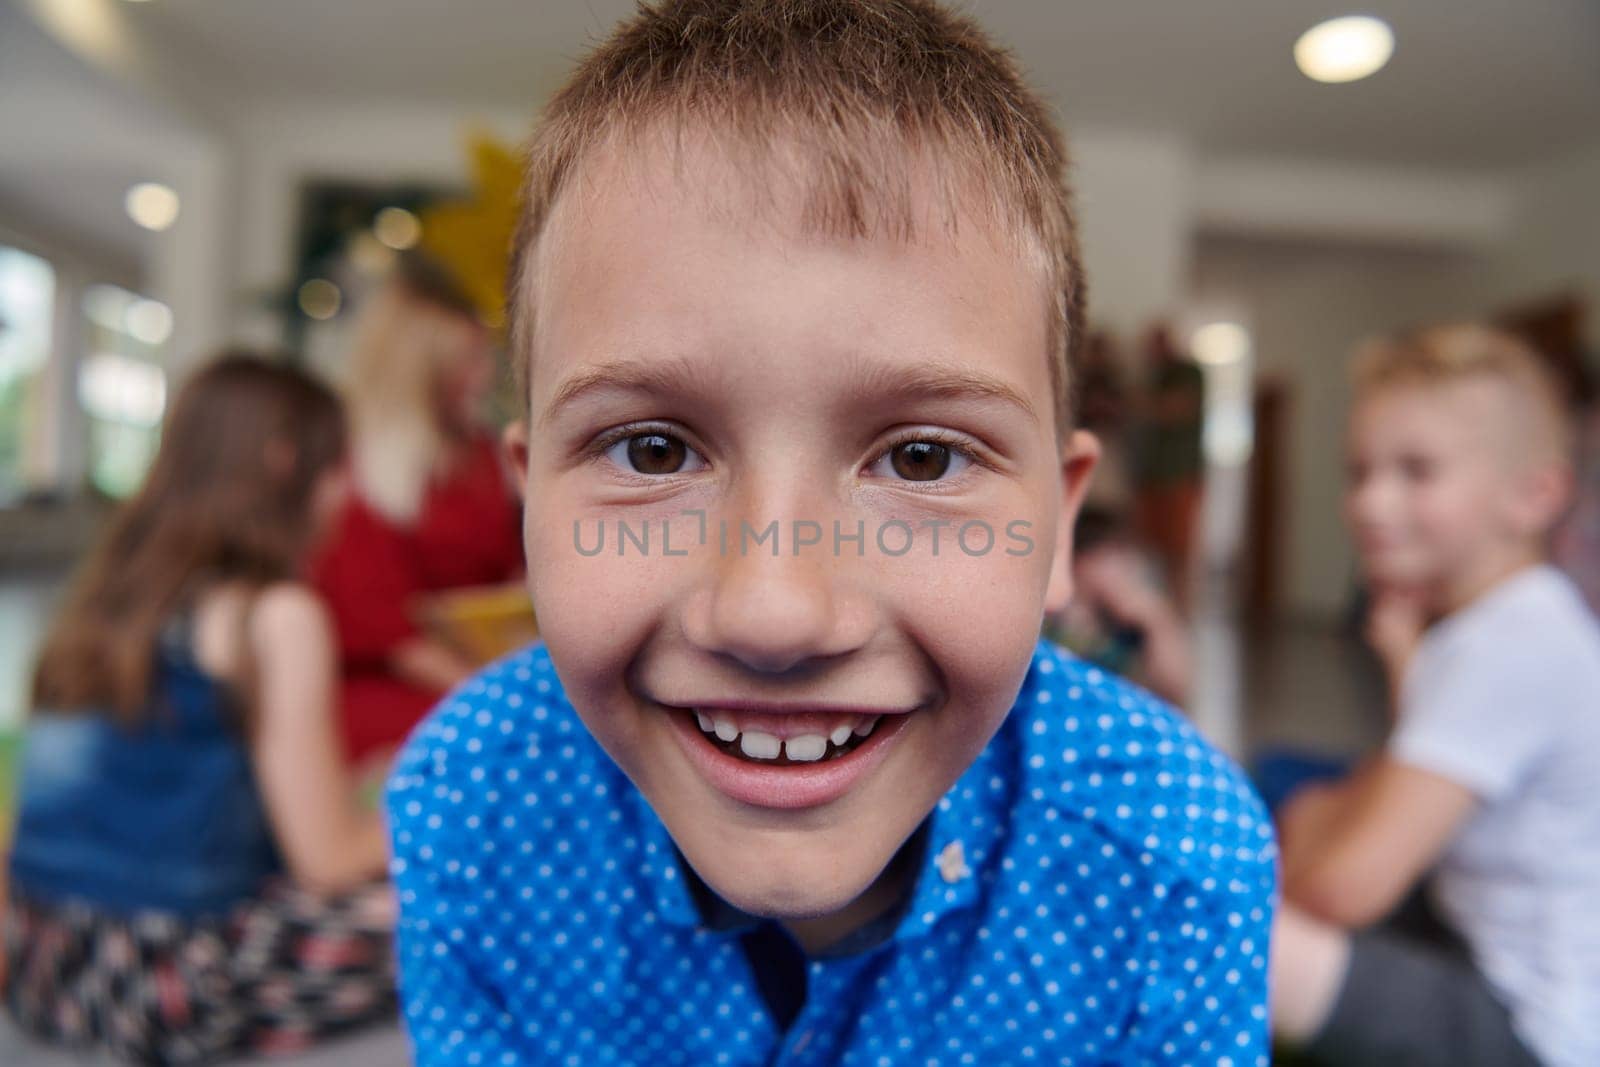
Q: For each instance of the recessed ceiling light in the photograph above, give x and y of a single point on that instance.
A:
(152, 205)
(1344, 49)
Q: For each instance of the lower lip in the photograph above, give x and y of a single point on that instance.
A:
(794, 785)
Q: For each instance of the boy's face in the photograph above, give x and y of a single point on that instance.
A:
(742, 367)
(1435, 484)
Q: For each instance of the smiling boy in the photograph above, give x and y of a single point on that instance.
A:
(790, 776)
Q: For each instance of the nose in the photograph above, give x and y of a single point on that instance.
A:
(1368, 499)
(776, 613)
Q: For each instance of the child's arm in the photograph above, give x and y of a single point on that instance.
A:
(327, 842)
(1353, 850)
(1394, 629)
(429, 664)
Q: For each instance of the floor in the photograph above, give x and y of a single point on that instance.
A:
(386, 1047)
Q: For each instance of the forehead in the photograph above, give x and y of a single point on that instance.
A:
(700, 249)
(1463, 413)
(811, 182)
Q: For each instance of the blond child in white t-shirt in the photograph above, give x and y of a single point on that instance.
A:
(1458, 470)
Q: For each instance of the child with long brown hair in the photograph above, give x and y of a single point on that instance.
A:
(192, 874)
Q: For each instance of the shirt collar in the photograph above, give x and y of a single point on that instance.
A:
(961, 833)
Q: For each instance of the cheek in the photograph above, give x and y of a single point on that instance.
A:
(1449, 508)
(585, 598)
(978, 618)
(597, 608)
(963, 602)
(594, 614)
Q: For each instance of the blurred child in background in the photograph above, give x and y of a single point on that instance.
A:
(432, 508)
(191, 875)
(1119, 616)
(1459, 470)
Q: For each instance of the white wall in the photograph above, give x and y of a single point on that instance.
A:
(1346, 202)
(1553, 241)
(1308, 305)
(1135, 218)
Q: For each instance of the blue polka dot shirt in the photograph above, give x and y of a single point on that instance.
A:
(1097, 888)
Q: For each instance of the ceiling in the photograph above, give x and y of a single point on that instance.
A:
(1477, 84)
(73, 140)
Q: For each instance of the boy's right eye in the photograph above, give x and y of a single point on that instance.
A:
(653, 453)
(1417, 469)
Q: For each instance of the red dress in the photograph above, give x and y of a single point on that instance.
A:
(371, 571)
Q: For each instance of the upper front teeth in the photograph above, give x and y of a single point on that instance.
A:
(806, 747)
(757, 744)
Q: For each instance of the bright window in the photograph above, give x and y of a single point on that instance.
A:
(27, 302)
(122, 386)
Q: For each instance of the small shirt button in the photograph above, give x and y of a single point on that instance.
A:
(953, 863)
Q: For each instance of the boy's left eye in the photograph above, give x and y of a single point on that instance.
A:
(922, 459)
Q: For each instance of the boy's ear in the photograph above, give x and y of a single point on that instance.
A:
(1079, 455)
(1542, 497)
(514, 440)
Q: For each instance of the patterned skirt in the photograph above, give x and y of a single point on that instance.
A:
(277, 974)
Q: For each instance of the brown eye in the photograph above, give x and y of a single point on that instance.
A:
(1417, 468)
(656, 453)
(920, 461)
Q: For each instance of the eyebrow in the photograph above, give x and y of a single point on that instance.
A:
(671, 375)
(677, 375)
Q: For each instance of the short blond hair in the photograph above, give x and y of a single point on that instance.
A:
(864, 88)
(1458, 352)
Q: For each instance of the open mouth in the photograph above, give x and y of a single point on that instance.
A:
(823, 742)
(784, 759)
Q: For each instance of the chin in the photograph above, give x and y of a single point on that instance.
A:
(788, 900)
(783, 879)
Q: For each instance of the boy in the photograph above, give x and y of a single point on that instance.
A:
(1459, 470)
(790, 776)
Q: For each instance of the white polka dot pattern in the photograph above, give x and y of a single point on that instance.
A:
(1098, 888)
